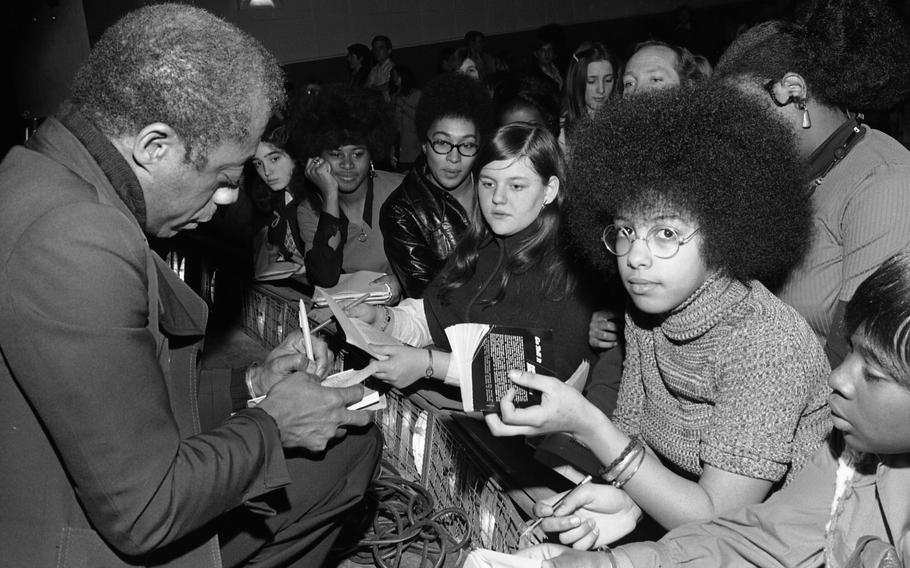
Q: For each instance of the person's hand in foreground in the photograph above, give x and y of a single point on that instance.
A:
(592, 516)
(603, 331)
(559, 556)
(290, 357)
(367, 313)
(308, 414)
(394, 287)
(403, 366)
(562, 409)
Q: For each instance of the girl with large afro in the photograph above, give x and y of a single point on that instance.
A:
(695, 195)
(339, 136)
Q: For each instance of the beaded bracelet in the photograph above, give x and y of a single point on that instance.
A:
(606, 471)
(388, 318)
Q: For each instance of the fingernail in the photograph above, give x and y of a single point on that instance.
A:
(575, 521)
(514, 374)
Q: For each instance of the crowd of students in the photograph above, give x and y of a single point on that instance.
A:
(713, 241)
(739, 207)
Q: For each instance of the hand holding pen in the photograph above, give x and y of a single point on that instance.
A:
(346, 309)
(588, 516)
(527, 536)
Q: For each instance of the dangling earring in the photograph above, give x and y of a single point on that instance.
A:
(373, 170)
(801, 105)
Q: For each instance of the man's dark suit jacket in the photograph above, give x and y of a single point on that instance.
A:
(102, 460)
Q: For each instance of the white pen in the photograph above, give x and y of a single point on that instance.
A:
(539, 520)
(305, 326)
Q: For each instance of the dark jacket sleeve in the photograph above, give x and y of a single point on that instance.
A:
(411, 256)
(74, 328)
(323, 263)
(603, 385)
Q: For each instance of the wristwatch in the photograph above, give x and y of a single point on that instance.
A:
(429, 371)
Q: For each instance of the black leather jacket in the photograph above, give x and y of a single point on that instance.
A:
(421, 224)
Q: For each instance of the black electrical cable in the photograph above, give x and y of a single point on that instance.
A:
(405, 522)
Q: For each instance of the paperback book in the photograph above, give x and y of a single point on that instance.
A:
(483, 355)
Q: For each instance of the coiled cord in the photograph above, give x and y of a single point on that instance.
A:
(405, 522)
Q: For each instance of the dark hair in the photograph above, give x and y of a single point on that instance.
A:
(710, 153)
(382, 38)
(880, 312)
(689, 66)
(408, 83)
(454, 95)
(442, 56)
(540, 250)
(182, 66)
(577, 78)
(278, 134)
(362, 52)
(343, 115)
(471, 35)
(528, 90)
(850, 52)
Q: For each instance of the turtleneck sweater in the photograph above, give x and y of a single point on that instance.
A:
(732, 377)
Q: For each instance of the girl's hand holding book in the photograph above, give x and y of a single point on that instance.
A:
(562, 409)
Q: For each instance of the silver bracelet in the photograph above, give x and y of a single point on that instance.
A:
(610, 556)
(249, 379)
(627, 474)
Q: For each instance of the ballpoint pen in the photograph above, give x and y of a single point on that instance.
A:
(554, 506)
(305, 326)
(356, 302)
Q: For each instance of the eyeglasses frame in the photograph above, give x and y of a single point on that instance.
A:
(679, 240)
(456, 147)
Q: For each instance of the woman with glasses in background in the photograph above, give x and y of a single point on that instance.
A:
(723, 394)
(423, 219)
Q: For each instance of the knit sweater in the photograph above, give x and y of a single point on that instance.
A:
(733, 377)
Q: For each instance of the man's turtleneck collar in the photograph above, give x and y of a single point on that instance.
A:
(111, 162)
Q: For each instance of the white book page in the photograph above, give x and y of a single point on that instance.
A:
(464, 339)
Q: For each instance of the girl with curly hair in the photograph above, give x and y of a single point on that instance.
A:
(341, 134)
(424, 218)
(694, 195)
(849, 507)
(507, 269)
(847, 56)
